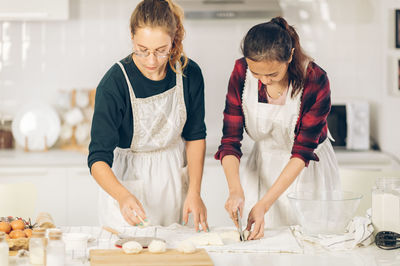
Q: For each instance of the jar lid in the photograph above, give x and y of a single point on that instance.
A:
(55, 233)
(38, 232)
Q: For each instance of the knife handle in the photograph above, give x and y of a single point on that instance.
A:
(111, 230)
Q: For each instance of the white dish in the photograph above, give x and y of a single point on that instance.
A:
(74, 116)
(37, 126)
(82, 98)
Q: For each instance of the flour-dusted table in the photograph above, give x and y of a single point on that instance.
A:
(366, 256)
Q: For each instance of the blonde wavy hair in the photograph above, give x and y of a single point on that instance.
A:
(167, 15)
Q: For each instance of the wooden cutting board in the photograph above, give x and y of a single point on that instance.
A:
(171, 257)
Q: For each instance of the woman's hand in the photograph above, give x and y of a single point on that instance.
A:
(256, 217)
(194, 204)
(131, 209)
(235, 202)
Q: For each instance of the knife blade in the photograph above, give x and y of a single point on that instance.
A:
(240, 230)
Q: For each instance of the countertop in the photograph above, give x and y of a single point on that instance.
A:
(368, 160)
(52, 157)
(362, 256)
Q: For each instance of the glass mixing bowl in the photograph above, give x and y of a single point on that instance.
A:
(324, 212)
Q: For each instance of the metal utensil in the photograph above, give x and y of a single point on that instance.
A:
(387, 240)
(240, 230)
(142, 240)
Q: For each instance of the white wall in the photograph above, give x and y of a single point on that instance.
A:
(388, 127)
(39, 58)
(352, 40)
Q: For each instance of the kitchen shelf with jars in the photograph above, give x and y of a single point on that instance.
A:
(6, 137)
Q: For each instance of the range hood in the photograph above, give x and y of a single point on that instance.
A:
(230, 9)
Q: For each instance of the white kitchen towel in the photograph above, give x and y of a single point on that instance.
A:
(358, 233)
(274, 241)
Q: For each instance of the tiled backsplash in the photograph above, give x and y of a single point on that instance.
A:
(37, 59)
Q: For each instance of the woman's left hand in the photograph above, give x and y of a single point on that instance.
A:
(256, 217)
(194, 204)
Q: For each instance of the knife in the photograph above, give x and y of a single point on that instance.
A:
(240, 230)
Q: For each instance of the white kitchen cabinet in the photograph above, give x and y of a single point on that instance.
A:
(69, 194)
(82, 197)
(65, 188)
(39, 10)
(50, 184)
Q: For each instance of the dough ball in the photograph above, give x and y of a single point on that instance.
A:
(157, 246)
(230, 237)
(186, 246)
(246, 234)
(131, 247)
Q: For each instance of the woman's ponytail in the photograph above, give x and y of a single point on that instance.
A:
(177, 44)
(297, 66)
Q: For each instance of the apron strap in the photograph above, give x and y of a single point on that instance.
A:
(179, 79)
(131, 92)
(131, 95)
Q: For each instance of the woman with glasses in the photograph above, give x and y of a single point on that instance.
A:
(148, 132)
(282, 98)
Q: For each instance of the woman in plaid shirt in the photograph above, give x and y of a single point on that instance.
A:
(282, 99)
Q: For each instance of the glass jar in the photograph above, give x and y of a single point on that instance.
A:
(6, 137)
(76, 246)
(386, 204)
(55, 250)
(37, 247)
(3, 250)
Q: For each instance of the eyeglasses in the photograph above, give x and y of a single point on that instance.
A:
(159, 55)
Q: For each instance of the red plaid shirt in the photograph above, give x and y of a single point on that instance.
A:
(311, 127)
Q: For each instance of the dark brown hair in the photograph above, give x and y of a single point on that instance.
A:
(164, 14)
(274, 40)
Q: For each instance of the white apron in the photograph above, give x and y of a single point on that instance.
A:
(272, 128)
(153, 169)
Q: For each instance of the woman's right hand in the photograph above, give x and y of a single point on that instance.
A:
(131, 209)
(234, 202)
